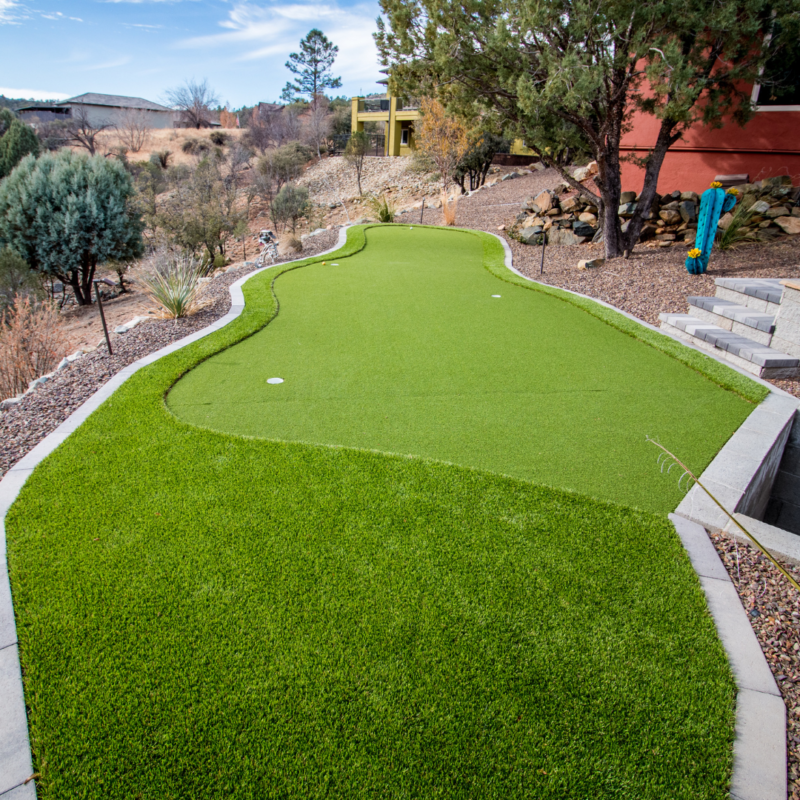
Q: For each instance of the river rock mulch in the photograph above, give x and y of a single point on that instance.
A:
(774, 610)
(39, 413)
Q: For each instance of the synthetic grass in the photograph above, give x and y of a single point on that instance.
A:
(204, 615)
(402, 348)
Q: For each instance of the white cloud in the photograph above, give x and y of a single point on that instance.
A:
(264, 31)
(10, 12)
(32, 94)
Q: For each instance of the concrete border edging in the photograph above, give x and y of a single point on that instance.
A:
(759, 747)
(16, 766)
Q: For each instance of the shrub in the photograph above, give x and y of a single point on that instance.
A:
(31, 344)
(66, 212)
(382, 207)
(290, 205)
(195, 147)
(219, 138)
(173, 283)
(17, 140)
(449, 205)
(161, 158)
(16, 279)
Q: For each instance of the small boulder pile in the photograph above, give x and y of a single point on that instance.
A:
(770, 207)
(564, 216)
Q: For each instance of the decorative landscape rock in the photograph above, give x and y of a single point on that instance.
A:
(688, 210)
(790, 225)
(778, 211)
(670, 216)
(564, 236)
(532, 235)
(759, 207)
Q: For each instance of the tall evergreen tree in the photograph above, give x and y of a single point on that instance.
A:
(312, 66)
(17, 140)
(66, 212)
(572, 73)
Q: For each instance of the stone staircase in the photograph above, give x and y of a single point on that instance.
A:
(752, 322)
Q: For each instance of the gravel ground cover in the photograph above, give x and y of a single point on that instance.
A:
(360, 624)
(412, 346)
(39, 413)
(774, 610)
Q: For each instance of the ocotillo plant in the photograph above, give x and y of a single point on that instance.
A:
(713, 204)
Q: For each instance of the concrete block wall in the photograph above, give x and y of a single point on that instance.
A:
(787, 323)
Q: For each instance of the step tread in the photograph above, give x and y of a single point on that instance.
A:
(769, 289)
(738, 313)
(730, 342)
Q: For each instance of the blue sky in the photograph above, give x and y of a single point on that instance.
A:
(54, 50)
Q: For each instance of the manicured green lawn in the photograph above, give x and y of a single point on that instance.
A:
(207, 615)
(402, 348)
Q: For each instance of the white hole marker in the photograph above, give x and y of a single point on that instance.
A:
(496, 295)
(274, 380)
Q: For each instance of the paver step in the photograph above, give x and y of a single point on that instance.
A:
(760, 294)
(735, 312)
(753, 356)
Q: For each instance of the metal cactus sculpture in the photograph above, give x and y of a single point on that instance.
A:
(713, 204)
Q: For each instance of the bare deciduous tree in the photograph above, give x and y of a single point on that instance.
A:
(134, 129)
(319, 122)
(83, 132)
(194, 101)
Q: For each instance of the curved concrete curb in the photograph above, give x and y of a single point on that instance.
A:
(759, 747)
(16, 767)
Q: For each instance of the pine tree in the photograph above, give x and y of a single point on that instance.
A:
(17, 142)
(66, 212)
(312, 66)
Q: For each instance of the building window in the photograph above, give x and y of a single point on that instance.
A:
(779, 87)
(404, 136)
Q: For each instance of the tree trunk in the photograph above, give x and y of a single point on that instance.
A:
(645, 203)
(609, 183)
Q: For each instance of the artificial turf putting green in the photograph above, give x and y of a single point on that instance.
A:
(402, 348)
(203, 615)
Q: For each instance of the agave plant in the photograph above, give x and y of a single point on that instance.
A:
(382, 207)
(173, 282)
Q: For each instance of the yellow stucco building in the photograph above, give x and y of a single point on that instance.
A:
(399, 115)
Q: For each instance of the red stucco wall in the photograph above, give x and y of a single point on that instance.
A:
(768, 145)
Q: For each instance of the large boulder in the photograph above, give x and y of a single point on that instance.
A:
(589, 219)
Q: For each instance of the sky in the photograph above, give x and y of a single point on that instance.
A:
(142, 48)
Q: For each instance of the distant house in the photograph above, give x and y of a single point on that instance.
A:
(99, 110)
